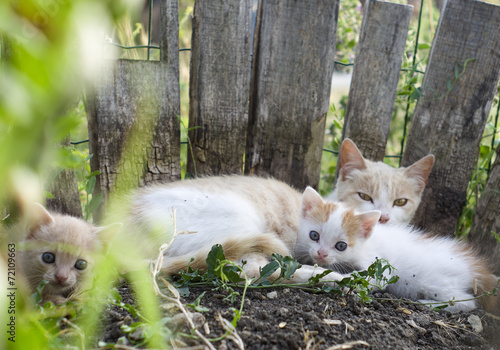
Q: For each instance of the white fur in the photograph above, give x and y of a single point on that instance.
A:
(211, 210)
(430, 269)
(208, 216)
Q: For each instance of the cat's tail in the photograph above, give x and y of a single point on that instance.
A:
(487, 283)
(235, 248)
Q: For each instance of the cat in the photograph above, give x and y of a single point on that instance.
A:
(250, 217)
(254, 217)
(58, 249)
(368, 185)
(430, 269)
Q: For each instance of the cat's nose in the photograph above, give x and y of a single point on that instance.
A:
(322, 255)
(61, 278)
(384, 218)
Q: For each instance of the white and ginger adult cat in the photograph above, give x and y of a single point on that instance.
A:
(59, 249)
(368, 185)
(254, 217)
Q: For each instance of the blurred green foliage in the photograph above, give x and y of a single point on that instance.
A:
(49, 50)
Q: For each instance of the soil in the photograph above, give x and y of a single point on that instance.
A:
(285, 318)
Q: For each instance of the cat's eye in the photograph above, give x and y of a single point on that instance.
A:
(365, 197)
(80, 265)
(314, 236)
(341, 246)
(400, 202)
(48, 258)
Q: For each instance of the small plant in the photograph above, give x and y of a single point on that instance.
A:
(226, 275)
(361, 283)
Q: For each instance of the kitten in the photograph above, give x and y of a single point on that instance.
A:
(430, 269)
(367, 185)
(250, 217)
(58, 249)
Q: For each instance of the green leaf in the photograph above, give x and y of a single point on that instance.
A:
(183, 290)
(393, 280)
(287, 264)
(47, 194)
(496, 236)
(214, 258)
(231, 273)
(413, 70)
(236, 317)
(404, 93)
(269, 269)
(196, 304)
(94, 173)
(423, 46)
(94, 203)
(439, 308)
(315, 279)
(484, 150)
(412, 81)
(37, 296)
(90, 185)
(416, 94)
(130, 308)
(115, 295)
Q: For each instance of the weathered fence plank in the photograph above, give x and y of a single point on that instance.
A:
(291, 79)
(66, 197)
(219, 85)
(135, 104)
(64, 189)
(458, 87)
(375, 77)
(487, 219)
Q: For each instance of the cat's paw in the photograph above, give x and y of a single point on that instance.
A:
(451, 306)
(308, 271)
(55, 299)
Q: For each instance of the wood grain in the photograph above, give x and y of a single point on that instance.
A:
(449, 119)
(294, 50)
(219, 86)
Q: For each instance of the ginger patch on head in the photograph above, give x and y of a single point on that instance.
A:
(321, 213)
(352, 226)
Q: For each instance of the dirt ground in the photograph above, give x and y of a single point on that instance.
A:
(284, 318)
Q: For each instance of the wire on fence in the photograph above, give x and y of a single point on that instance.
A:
(407, 111)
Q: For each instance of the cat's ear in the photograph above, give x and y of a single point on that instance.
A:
(38, 217)
(350, 158)
(107, 233)
(420, 171)
(310, 200)
(368, 221)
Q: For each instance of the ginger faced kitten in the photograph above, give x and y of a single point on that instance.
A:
(430, 269)
(58, 249)
(367, 185)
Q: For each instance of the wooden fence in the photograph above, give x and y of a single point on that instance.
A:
(265, 113)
